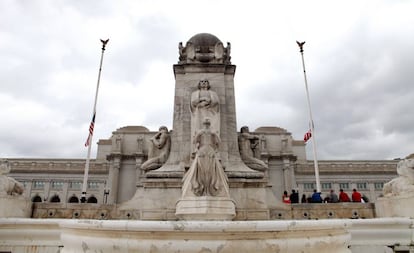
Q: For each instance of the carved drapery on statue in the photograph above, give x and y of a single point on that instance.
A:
(248, 144)
(204, 104)
(206, 175)
(158, 150)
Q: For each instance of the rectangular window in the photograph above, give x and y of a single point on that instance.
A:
(344, 186)
(38, 184)
(326, 186)
(57, 185)
(379, 186)
(308, 186)
(93, 185)
(361, 186)
(75, 185)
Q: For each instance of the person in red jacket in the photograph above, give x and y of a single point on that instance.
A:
(343, 197)
(356, 196)
(286, 198)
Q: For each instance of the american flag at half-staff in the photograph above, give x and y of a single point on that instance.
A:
(91, 126)
(307, 135)
(311, 132)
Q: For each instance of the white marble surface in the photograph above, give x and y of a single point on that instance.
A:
(379, 235)
(24, 235)
(205, 236)
(15, 207)
(322, 236)
(395, 206)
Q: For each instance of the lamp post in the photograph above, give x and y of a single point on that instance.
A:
(106, 193)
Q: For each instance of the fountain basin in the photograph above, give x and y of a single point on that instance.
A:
(305, 236)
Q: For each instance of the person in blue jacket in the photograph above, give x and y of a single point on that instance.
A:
(316, 197)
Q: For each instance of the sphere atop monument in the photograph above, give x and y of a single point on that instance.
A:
(204, 48)
(204, 40)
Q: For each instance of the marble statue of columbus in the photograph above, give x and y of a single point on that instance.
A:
(204, 104)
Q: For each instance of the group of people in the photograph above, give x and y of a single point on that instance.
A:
(316, 197)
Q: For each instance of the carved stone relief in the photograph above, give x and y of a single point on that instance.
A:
(206, 174)
(248, 144)
(204, 104)
(159, 150)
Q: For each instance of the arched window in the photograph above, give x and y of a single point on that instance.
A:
(55, 199)
(37, 198)
(73, 199)
(92, 199)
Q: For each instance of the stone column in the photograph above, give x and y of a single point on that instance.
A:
(287, 179)
(46, 191)
(113, 178)
(139, 158)
(65, 187)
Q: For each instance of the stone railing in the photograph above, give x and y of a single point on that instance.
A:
(71, 166)
(296, 212)
(339, 166)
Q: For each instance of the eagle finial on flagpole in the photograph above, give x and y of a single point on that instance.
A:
(104, 42)
(300, 44)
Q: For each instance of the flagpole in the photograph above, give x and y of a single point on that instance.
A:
(89, 140)
(312, 127)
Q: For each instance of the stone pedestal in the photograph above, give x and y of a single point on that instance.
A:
(15, 207)
(205, 208)
(395, 206)
(322, 236)
(155, 199)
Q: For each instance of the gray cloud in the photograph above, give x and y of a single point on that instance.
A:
(358, 60)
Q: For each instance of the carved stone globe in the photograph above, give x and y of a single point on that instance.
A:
(204, 48)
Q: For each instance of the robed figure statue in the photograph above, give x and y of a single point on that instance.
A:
(204, 104)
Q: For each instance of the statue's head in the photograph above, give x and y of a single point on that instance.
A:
(204, 84)
(163, 128)
(244, 129)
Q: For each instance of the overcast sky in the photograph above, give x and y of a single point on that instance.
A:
(359, 60)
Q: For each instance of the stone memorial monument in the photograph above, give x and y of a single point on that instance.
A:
(209, 174)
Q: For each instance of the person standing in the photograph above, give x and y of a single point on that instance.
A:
(356, 196)
(294, 197)
(343, 197)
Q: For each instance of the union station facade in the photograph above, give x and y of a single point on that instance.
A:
(115, 173)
